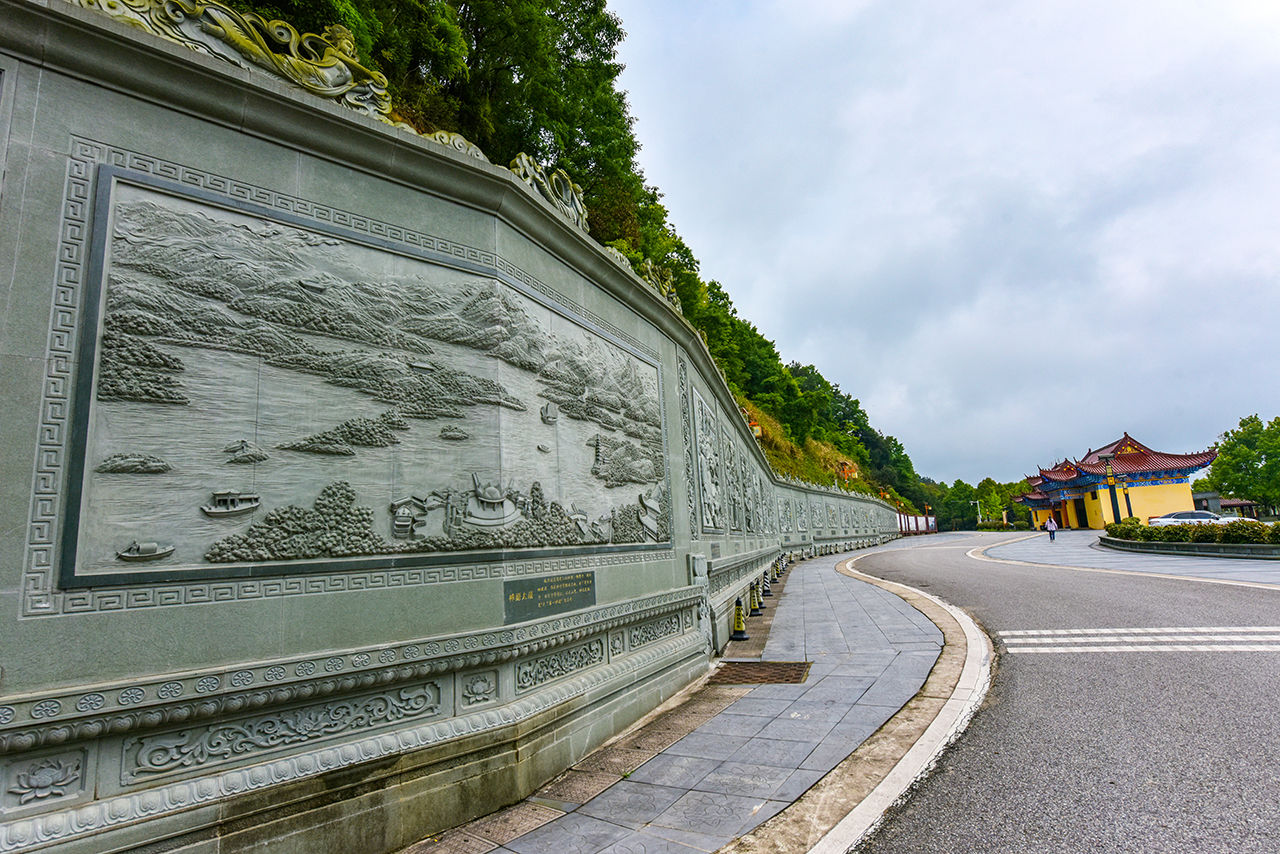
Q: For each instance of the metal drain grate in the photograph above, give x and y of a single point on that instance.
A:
(760, 672)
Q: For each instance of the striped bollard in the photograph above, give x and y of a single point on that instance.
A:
(739, 622)
(755, 601)
(765, 587)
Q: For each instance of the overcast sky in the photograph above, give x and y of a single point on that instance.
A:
(1013, 230)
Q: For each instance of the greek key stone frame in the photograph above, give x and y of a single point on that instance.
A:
(90, 166)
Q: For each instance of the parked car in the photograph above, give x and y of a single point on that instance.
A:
(1190, 517)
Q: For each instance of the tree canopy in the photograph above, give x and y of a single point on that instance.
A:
(1248, 461)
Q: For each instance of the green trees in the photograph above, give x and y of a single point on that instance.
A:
(1248, 463)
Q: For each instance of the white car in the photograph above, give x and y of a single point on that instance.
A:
(1190, 517)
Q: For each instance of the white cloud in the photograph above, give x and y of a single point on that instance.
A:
(1012, 229)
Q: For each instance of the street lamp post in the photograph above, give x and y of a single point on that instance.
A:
(978, 510)
(1111, 485)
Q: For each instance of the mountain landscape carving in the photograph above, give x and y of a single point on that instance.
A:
(190, 286)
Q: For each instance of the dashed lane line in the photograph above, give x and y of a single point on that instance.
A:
(1163, 647)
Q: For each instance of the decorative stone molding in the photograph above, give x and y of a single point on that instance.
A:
(557, 188)
(65, 825)
(149, 756)
(533, 673)
(479, 688)
(647, 633)
(325, 65)
(167, 700)
(44, 779)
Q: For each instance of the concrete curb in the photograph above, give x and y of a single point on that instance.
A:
(950, 721)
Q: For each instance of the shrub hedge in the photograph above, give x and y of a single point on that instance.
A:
(1243, 531)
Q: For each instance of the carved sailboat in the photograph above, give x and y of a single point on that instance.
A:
(229, 502)
(137, 551)
(550, 413)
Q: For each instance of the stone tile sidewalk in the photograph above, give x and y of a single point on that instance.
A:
(729, 757)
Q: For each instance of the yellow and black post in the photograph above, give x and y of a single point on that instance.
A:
(755, 601)
(739, 622)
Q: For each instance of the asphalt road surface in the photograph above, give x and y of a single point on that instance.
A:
(1135, 741)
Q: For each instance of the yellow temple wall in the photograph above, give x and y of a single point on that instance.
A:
(1158, 500)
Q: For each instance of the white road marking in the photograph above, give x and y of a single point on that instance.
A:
(1138, 639)
(1162, 630)
(1164, 647)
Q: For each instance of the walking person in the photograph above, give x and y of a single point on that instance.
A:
(1052, 527)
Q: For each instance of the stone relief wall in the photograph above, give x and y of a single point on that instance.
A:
(267, 393)
(260, 411)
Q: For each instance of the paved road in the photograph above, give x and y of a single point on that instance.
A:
(1100, 741)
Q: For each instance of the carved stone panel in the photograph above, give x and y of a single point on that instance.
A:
(710, 471)
(151, 756)
(733, 479)
(40, 781)
(654, 630)
(537, 671)
(686, 428)
(476, 689)
(261, 389)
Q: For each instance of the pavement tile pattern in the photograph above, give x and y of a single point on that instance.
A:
(733, 755)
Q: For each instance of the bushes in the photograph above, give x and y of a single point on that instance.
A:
(1205, 533)
(1176, 533)
(999, 526)
(1026, 526)
(1241, 532)
(1129, 529)
(1244, 532)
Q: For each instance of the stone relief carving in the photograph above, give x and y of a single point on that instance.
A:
(686, 431)
(51, 720)
(732, 480)
(160, 754)
(535, 672)
(480, 688)
(40, 596)
(802, 515)
(710, 471)
(833, 519)
(557, 188)
(45, 779)
(326, 65)
(786, 515)
(656, 630)
(659, 278)
(311, 322)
